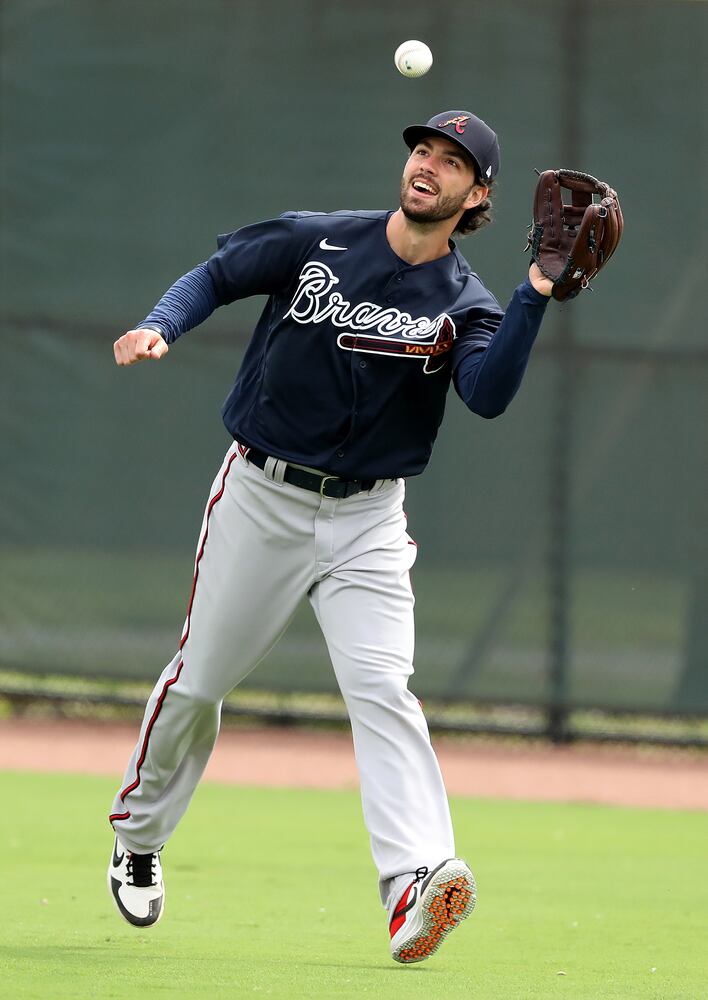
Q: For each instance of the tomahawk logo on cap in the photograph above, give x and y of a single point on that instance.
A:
(460, 123)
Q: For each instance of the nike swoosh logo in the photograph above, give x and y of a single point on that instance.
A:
(324, 245)
(116, 860)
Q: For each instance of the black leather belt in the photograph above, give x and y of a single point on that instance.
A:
(330, 487)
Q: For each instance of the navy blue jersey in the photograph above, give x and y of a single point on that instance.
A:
(350, 363)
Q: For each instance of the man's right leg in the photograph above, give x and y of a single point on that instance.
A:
(254, 563)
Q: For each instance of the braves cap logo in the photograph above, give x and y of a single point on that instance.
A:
(460, 123)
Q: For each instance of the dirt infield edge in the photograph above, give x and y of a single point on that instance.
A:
(612, 775)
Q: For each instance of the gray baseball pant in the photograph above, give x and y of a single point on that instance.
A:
(263, 546)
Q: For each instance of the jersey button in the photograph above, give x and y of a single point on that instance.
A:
(399, 277)
(340, 454)
(362, 364)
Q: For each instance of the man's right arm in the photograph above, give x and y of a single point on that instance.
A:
(139, 345)
(185, 305)
(255, 260)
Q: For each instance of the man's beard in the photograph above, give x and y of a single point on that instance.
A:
(439, 210)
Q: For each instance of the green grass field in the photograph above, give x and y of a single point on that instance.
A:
(273, 894)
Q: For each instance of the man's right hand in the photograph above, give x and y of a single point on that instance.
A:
(138, 345)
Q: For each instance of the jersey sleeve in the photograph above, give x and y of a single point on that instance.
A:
(256, 260)
(185, 305)
(481, 323)
(487, 378)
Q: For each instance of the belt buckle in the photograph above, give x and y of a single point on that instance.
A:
(322, 486)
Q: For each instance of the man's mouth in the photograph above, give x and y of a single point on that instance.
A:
(424, 188)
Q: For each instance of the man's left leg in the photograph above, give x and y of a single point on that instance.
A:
(364, 605)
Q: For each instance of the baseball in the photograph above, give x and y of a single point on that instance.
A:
(413, 58)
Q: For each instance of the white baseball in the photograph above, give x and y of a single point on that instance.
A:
(413, 58)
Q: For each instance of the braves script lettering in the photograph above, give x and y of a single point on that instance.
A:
(312, 304)
(390, 331)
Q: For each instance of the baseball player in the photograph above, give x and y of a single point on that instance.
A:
(370, 316)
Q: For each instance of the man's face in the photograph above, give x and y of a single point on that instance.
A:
(439, 182)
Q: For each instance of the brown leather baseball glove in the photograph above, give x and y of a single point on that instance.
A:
(572, 242)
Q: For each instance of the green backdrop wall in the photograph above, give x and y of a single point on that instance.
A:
(562, 548)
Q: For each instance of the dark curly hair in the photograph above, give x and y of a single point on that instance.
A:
(480, 215)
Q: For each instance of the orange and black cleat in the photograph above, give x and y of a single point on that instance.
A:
(432, 906)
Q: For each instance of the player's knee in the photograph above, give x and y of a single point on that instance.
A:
(199, 695)
(386, 688)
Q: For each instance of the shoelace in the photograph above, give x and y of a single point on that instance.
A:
(420, 874)
(141, 868)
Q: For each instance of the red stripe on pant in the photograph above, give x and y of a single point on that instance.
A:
(143, 753)
(212, 503)
(173, 680)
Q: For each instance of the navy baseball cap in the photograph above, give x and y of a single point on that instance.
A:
(471, 133)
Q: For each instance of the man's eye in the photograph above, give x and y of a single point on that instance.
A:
(452, 163)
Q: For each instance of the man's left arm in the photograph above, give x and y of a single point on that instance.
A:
(488, 380)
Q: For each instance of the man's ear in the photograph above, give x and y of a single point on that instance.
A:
(476, 195)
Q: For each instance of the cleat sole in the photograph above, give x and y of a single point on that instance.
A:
(447, 901)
